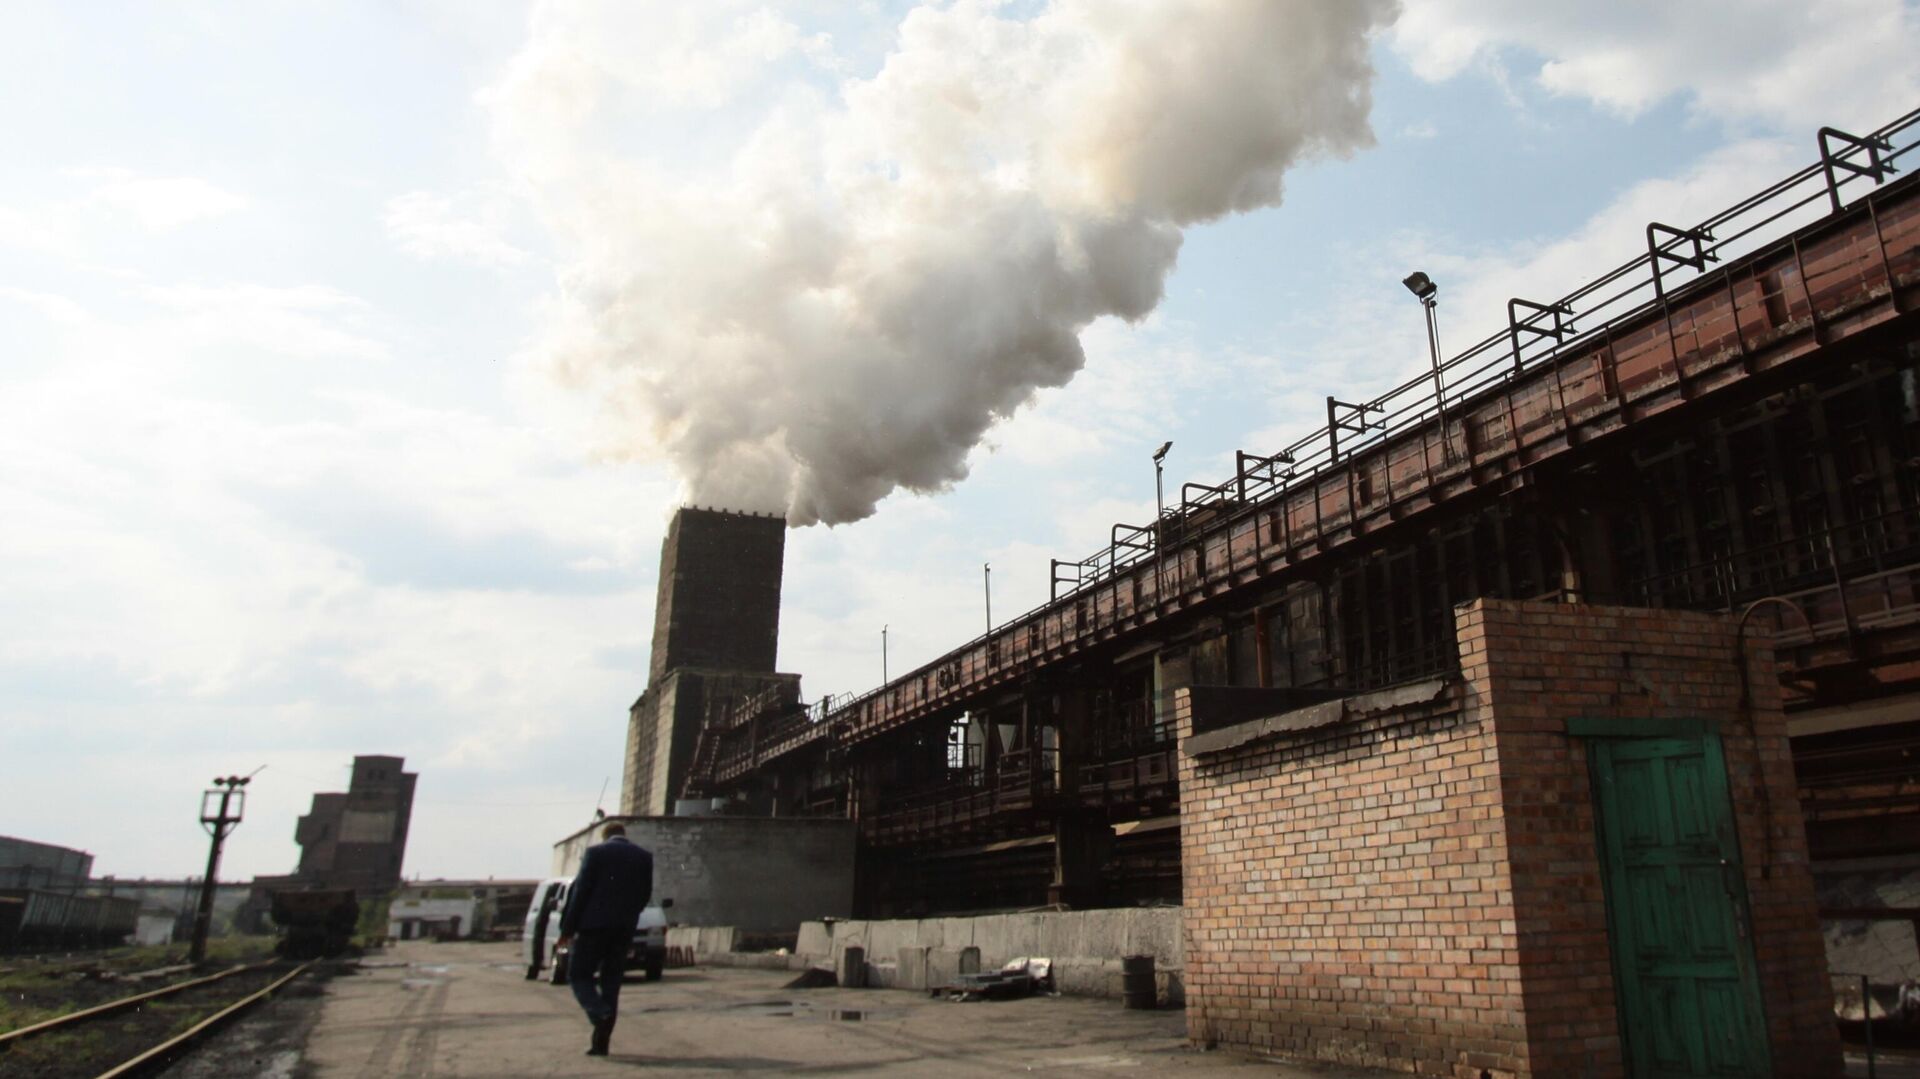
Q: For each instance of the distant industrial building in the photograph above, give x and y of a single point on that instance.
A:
(358, 839)
(25, 863)
(354, 839)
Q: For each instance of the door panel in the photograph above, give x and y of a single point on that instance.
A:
(1676, 909)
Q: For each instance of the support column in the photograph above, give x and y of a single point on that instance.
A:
(1082, 842)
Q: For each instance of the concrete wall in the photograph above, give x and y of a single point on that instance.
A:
(755, 874)
(1085, 946)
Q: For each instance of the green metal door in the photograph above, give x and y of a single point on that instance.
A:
(1677, 910)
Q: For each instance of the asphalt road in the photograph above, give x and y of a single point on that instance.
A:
(464, 1011)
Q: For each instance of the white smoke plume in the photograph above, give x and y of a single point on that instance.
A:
(845, 299)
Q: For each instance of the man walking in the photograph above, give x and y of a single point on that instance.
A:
(603, 907)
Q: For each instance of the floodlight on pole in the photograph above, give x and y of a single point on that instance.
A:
(1159, 526)
(1425, 290)
(986, 572)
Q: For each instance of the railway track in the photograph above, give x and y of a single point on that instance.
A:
(138, 1034)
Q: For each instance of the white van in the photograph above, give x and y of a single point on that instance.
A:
(540, 942)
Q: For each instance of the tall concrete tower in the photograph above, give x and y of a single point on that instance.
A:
(716, 632)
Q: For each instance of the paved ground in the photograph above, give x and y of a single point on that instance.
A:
(463, 1011)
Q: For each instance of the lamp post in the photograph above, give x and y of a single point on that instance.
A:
(1424, 290)
(1159, 512)
(883, 655)
(219, 822)
(986, 569)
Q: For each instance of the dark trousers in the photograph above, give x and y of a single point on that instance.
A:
(598, 963)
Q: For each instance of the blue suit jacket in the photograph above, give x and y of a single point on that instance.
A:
(612, 888)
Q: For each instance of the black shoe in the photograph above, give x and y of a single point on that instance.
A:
(602, 1038)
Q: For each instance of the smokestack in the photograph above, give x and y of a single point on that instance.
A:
(718, 604)
(842, 302)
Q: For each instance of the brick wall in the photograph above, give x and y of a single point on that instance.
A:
(1529, 668)
(1346, 893)
(1414, 882)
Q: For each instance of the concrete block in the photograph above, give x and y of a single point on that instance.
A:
(1087, 977)
(1001, 937)
(913, 966)
(1158, 932)
(816, 938)
(851, 933)
(888, 937)
(717, 940)
(1090, 934)
(945, 965)
(684, 938)
(953, 932)
(883, 975)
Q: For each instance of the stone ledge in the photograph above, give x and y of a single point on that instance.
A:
(1233, 737)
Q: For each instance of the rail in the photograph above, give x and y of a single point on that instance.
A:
(167, 1048)
(170, 1048)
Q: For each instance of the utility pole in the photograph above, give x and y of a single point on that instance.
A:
(883, 655)
(219, 822)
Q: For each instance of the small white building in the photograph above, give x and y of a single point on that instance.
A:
(457, 909)
(414, 916)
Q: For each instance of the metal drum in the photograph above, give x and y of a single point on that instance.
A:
(1136, 982)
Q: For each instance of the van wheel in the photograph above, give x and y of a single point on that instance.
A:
(655, 964)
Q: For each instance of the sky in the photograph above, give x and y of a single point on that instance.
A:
(354, 356)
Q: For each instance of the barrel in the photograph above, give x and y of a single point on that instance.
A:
(1136, 981)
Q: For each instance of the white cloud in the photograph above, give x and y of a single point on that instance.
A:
(306, 321)
(50, 305)
(465, 227)
(1789, 64)
(158, 203)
